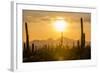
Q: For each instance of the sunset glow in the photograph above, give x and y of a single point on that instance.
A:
(43, 25)
(60, 25)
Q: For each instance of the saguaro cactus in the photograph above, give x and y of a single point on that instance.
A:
(83, 39)
(82, 35)
(61, 44)
(32, 47)
(27, 36)
(27, 39)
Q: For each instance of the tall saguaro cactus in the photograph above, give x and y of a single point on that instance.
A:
(27, 38)
(82, 35)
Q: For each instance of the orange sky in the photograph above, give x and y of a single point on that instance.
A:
(41, 24)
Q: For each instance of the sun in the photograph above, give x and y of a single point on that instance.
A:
(60, 25)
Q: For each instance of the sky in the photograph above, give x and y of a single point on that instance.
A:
(41, 24)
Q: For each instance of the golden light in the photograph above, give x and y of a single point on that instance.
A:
(60, 25)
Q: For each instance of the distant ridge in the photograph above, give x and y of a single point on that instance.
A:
(54, 43)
